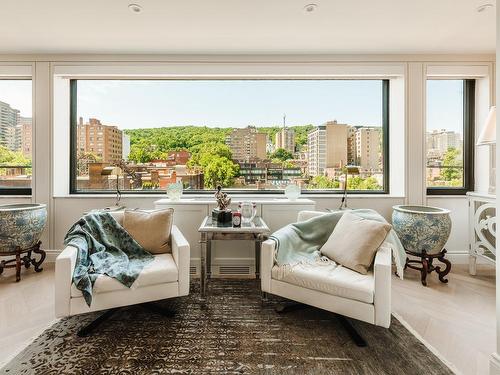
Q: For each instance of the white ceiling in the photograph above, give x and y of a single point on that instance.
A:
(246, 26)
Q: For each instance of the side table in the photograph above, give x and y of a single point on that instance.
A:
(256, 231)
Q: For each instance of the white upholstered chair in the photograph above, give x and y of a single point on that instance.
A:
(336, 289)
(166, 276)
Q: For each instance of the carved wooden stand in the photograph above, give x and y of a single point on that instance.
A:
(427, 266)
(26, 260)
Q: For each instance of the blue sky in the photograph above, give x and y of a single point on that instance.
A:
(133, 104)
(18, 94)
(136, 104)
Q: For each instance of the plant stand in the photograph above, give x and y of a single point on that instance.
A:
(26, 260)
(427, 266)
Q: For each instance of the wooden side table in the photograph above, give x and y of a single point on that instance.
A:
(26, 260)
(256, 231)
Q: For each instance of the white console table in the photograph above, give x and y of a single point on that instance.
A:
(482, 228)
(190, 212)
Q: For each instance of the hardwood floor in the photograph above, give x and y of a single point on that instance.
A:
(457, 319)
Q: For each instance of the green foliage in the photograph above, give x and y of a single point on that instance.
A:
(148, 185)
(155, 143)
(301, 134)
(323, 182)
(450, 172)
(13, 158)
(281, 154)
(215, 161)
(218, 170)
(358, 183)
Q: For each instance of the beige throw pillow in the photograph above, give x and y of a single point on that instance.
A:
(151, 229)
(355, 241)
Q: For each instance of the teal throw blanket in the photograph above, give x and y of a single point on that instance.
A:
(104, 248)
(301, 242)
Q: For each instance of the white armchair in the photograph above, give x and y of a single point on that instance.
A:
(166, 277)
(336, 289)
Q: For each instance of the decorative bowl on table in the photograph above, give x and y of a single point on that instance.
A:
(174, 191)
(21, 226)
(422, 228)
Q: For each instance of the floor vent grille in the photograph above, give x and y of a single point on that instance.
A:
(234, 270)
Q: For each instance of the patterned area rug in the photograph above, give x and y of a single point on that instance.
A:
(232, 333)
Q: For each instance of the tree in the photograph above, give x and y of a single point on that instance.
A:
(452, 166)
(281, 154)
(218, 170)
(215, 161)
(358, 183)
(13, 158)
(323, 182)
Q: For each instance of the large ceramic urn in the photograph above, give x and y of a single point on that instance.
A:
(422, 228)
(21, 226)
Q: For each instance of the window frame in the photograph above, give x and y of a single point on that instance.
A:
(469, 109)
(22, 191)
(73, 93)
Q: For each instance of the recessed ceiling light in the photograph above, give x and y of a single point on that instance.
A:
(309, 8)
(484, 7)
(135, 8)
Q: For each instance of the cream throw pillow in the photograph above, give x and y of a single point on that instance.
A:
(151, 229)
(355, 241)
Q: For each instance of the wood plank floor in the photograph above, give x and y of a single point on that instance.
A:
(458, 319)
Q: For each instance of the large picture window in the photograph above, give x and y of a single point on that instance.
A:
(247, 135)
(15, 136)
(450, 136)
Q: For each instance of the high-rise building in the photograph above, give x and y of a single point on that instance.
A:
(285, 139)
(327, 147)
(367, 145)
(105, 141)
(439, 141)
(125, 146)
(26, 127)
(9, 135)
(247, 144)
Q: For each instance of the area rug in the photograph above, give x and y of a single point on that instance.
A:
(231, 333)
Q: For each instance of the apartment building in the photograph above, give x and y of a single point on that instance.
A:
(105, 141)
(247, 144)
(327, 147)
(367, 147)
(26, 129)
(9, 135)
(439, 141)
(285, 139)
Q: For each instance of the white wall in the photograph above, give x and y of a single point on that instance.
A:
(407, 111)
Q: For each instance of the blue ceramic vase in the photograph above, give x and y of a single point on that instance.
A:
(421, 227)
(21, 225)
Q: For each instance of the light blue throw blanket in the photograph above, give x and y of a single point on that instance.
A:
(104, 248)
(301, 242)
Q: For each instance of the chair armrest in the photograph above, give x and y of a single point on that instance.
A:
(65, 264)
(182, 257)
(266, 264)
(382, 270)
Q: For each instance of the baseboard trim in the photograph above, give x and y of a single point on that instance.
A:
(432, 349)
